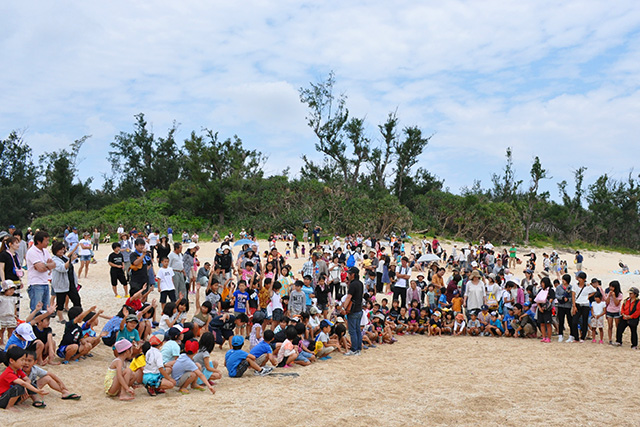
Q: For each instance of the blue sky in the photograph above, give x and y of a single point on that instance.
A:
(559, 80)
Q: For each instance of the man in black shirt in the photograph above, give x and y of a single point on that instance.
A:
(353, 307)
(139, 264)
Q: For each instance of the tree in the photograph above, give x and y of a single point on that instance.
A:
(505, 187)
(531, 198)
(573, 220)
(407, 152)
(381, 156)
(143, 163)
(18, 181)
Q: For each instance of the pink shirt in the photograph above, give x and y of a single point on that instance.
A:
(612, 307)
(34, 256)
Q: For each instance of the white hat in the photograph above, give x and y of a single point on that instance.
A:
(7, 284)
(192, 245)
(25, 331)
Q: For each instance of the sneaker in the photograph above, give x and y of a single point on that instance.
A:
(581, 341)
(570, 339)
(560, 338)
(634, 348)
(357, 353)
(350, 353)
(266, 371)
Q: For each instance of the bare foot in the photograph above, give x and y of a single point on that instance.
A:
(14, 409)
(127, 397)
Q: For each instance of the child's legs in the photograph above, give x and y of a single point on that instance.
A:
(165, 384)
(70, 351)
(187, 379)
(254, 365)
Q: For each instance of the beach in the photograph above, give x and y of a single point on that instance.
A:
(419, 380)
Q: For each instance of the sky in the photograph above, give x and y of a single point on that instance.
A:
(558, 80)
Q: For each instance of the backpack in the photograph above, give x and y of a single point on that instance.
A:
(351, 261)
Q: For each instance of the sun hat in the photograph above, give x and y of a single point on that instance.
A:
(475, 273)
(312, 310)
(237, 340)
(25, 330)
(123, 345)
(8, 284)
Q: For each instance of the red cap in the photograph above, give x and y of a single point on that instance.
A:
(191, 347)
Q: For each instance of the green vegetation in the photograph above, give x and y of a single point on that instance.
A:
(207, 183)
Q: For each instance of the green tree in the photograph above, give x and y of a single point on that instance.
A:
(407, 151)
(18, 181)
(505, 187)
(532, 201)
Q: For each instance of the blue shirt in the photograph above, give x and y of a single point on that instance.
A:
(14, 340)
(232, 360)
(443, 301)
(183, 365)
(507, 319)
(308, 290)
(170, 349)
(261, 348)
(240, 304)
(169, 230)
(497, 323)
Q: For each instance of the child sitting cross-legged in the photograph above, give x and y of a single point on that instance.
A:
(40, 378)
(237, 360)
(185, 372)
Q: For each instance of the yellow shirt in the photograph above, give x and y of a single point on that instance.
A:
(456, 304)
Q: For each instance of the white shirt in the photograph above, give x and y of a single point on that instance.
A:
(402, 283)
(166, 279)
(175, 261)
(153, 359)
(584, 295)
(598, 307)
(120, 231)
(83, 251)
(153, 239)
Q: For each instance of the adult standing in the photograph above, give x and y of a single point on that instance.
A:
(188, 263)
(10, 268)
(579, 258)
(72, 238)
(563, 295)
(39, 265)
(296, 245)
(474, 296)
(22, 248)
(580, 307)
(163, 248)
(379, 273)
(630, 313)
(403, 275)
(170, 235)
(175, 263)
(63, 278)
(95, 240)
(316, 235)
(225, 260)
(84, 251)
(120, 230)
(153, 241)
(614, 302)
(319, 266)
(353, 306)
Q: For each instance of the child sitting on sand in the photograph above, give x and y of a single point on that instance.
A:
(40, 378)
(13, 382)
(118, 380)
(155, 377)
(459, 325)
(237, 361)
(473, 326)
(185, 372)
(71, 346)
(208, 367)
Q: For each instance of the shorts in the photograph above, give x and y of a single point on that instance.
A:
(303, 356)
(596, 323)
(221, 335)
(85, 257)
(545, 317)
(242, 368)
(322, 307)
(260, 360)
(277, 314)
(152, 380)
(8, 322)
(117, 275)
(613, 315)
(183, 379)
(62, 352)
(168, 294)
(14, 391)
(238, 313)
(110, 340)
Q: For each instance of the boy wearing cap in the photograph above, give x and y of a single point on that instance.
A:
(155, 377)
(323, 349)
(185, 372)
(22, 337)
(45, 347)
(237, 360)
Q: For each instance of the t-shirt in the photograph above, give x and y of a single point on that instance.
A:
(36, 373)
(355, 290)
(240, 304)
(42, 335)
(183, 365)
(131, 336)
(72, 333)
(286, 350)
(154, 362)
(202, 272)
(153, 239)
(34, 256)
(598, 307)
(308, 291)
(8, 377)
(508, 319)
(166, 279)
(512, 252)
(583, 299)
(261, 348)
(117, 259)
(323, 338)
(475, 295)
(139, 276)
(84, 251)
(8, 306)
(497, 323)
(232, 359)
(402, 283)
(15, 340)
(10, 264)
(175, 261)
(297, 302)
(218, 323)
(170, 349)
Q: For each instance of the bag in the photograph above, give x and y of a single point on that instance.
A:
(541, 298)
(351, 261)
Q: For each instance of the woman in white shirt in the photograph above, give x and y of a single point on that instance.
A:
(84, 251)
(580, 308)
(474, 296)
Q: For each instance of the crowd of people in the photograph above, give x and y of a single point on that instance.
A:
(351, 294)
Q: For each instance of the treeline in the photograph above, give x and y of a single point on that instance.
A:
(363, 182)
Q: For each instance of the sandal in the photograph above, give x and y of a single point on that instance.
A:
(39, 404)
(198, 388)
(71, 396)
(183, 391)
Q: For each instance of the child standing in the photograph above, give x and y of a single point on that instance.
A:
(598, 311)
(164, 277)
(240, 300)
(116, 272)
(8, 309)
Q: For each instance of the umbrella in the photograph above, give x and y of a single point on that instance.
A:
(242, 242)
(428, 258)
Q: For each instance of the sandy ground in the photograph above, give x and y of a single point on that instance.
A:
(417, 381)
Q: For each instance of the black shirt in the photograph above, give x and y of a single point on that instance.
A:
(72, 334)
(163, 251)
(116, 258)
(218, 323)
(139, 276)
(322, 295)
(9, 263)
(42, 335)
(355, 290)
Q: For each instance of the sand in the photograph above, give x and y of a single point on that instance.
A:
(417, 381)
